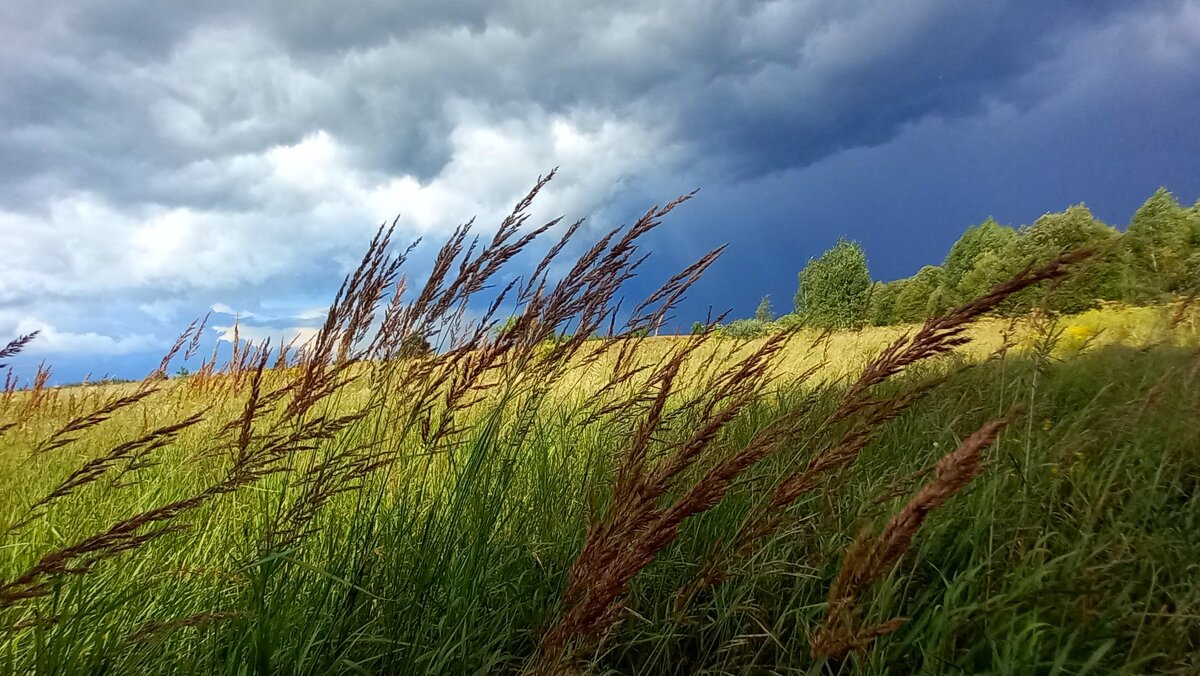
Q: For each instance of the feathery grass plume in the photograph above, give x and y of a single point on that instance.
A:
(36, 623)
(330, 353)
(16, 345)
(285, 350)
(235, 359)
(189, 334)
(133, 455)
(37, 391)
(193, 345)
(252, 463)
(870, 558)
(6, 397)
(435, 389)
(862, 416)
(255, 456)
(641, 520)
(940, 335)
(71, 430)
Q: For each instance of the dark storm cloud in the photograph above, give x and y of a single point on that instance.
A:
(751, 87)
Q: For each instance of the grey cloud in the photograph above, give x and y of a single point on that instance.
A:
(135, 90)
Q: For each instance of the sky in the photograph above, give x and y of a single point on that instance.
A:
(160, 160)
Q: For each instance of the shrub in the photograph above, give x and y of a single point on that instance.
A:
(746, 328)
(835, 289)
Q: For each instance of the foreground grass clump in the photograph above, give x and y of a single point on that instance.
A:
(968, 496)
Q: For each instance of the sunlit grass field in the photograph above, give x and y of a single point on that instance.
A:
(1077, 549)
(976, 494)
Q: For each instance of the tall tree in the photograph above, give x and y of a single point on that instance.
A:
(1101, 277)
(990, 269)
(881, 308)
(1159, 241)
(920, 296)
(764, 313)
(977, 241)
(835, 289)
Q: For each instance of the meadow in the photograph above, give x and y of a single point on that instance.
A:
(416, 492)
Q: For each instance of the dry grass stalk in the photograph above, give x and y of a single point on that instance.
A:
(425, 392)
(642, 520)
(255, 456)
(16, 345)
(870, 558)
(71, 430)
(636, 529)
(860, 416)
(134, 455)
(942, 334)
(253, 462)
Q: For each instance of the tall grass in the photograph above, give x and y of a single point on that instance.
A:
(535, 500)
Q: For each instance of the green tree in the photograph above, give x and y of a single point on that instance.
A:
(882, 308)
(746, 328)
(835, 289)
(1194, 220)
(415, 346)
(990, 269)
(977, 241)
(1159, 241)
(920, 296)
(1191, 279)
(764, 313)
(507, 326)
(1101, 277)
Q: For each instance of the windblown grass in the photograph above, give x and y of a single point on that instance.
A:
(967, 495)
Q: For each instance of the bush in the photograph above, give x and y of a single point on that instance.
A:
(835, 288)
(746, 328)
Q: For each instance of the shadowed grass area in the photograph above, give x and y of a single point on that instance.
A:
(970, 495)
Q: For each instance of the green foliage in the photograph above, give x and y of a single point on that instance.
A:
(1157, 258)
(698, 328)
(764, 313)
(882, 308)
(415, 346)
(1100, 278)
(835, 289)
(502, 329)
(1160, 239)
(965, 255)
(1191, 277)
(990, 269)
(789, 321)
(746, 328)
(1194, 221)
(919, 297)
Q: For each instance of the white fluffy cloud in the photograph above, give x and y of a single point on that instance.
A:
(311, 205)
(53, 341)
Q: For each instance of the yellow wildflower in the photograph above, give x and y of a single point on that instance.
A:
(1080, 332)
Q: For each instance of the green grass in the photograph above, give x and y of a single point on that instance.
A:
(1077, 550)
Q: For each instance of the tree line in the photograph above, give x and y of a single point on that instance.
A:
(1156, 258)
